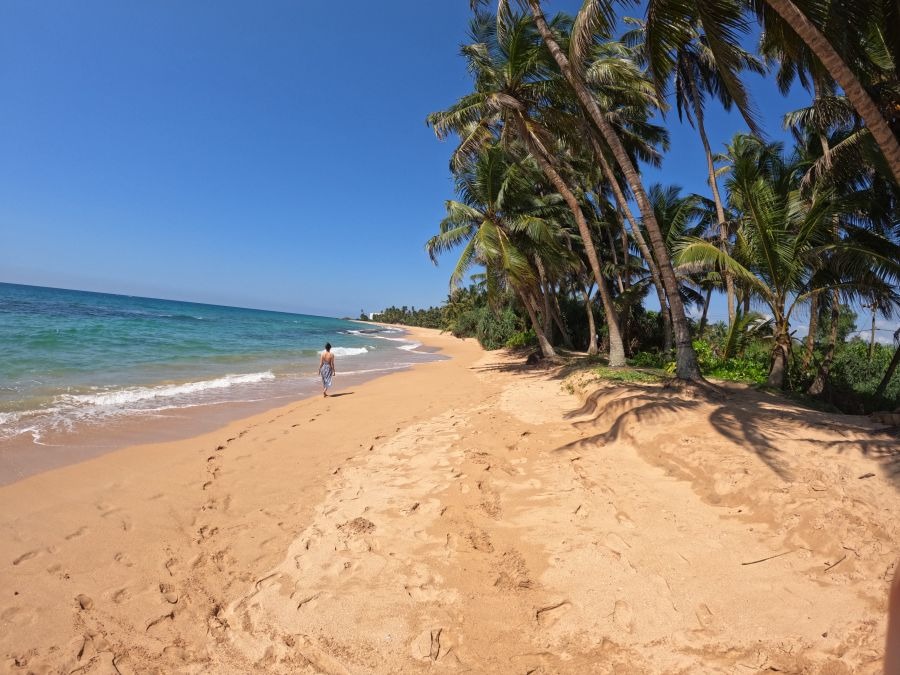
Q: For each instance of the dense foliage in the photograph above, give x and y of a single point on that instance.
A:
(409, 316)
(567, 240)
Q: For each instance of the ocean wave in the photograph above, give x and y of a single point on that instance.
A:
(136, 394)
(9, 417)
(348, 351)
(371, 331)
(410, 347)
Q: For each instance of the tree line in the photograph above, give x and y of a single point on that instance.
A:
(552, 211)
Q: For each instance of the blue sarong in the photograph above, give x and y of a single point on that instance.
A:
(327, 372)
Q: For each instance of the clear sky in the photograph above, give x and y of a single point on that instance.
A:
(266, 154)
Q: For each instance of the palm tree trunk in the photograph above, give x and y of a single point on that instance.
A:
(872, 338)
(616, 348)
(705, 310)
(813, 326)
(780, 356)
(592, 326)
(886, 380)
(556, 311)
(685, 358)
(545, 296)
(821, 379)
(639, 240)
(841, 73)
(615, 259)
(818, 384)
(717, 199)
(546, 348)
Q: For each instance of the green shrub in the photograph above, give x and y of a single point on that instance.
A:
(494, 329)
(524, 338)
(628, 375)
(855, 376)
(741, 370)
(649, 360)
(706, 356)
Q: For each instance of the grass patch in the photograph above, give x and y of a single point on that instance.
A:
(641, 376)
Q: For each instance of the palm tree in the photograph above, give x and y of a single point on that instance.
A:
(495, 223)
(591, 17)
(510, 72)
(872, 14)
(692, 66)
(851, 24)
(786, 248)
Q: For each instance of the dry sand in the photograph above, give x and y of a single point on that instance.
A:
(470, 515)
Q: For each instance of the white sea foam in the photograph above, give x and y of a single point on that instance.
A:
(392, 339)
(348, 351)
(8, 417)
(135, 394)
(410, 347)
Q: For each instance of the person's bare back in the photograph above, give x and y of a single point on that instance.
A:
(326, 368)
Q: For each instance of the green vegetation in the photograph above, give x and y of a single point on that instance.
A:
(629, 375)
(424, 318)
(565, 239)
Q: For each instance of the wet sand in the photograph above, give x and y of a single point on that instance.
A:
(468, 515)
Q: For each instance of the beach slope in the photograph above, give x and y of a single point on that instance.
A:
(469, 515)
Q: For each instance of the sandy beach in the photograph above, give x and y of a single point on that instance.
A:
(467, 515)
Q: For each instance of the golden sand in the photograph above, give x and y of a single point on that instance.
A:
(469, 515)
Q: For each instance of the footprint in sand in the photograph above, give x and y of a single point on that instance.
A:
(549, 614)
(168, 593)
(123, 559)
(77, 533)
(705, 617)
(615, 543)
(512, 572)
(480, 541)
(623, 616)
(624, 520)
(26, 556)
(121, 595)
(161, 620)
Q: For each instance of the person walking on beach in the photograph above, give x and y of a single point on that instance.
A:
(326, 368)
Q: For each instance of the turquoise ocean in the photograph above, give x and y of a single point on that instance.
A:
(76, 359)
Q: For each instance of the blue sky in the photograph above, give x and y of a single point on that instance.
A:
(266, 154)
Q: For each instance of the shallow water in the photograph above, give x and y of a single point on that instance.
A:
(75, 360)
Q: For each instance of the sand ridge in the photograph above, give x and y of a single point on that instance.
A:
(470, 515)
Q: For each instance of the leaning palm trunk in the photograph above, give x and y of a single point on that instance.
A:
(717, 199)
(616, 348)
(546, 348)
(641, 244)
(685, 358)
(821, 379)
(615, 259)
(780, 356)
(545, 296)
(872, 337)
(841, 73)
(811, 335)
(592, 326)
(556, 313)
(706, 300)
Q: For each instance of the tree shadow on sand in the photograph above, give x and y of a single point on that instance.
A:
(756, 421)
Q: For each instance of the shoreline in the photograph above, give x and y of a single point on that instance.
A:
(470, 513)
(22, 456)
